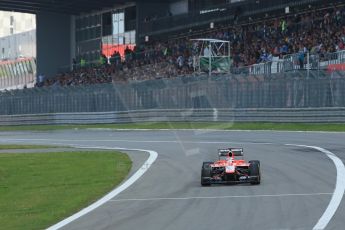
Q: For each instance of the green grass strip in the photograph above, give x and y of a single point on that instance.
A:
(40, 189)
(191, 125)
(8, 147)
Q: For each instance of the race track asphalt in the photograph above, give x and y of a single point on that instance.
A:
(296, 188)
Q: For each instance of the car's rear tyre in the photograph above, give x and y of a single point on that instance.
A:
(254, 170)
(206, 173)
(254, 162)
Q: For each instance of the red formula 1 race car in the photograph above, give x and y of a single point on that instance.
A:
(230, 168)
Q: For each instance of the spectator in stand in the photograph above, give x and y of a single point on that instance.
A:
(103, 60)
(180, 62)
(207, 52)
(301, 54)
(40, 80)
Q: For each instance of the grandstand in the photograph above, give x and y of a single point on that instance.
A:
(276, 47)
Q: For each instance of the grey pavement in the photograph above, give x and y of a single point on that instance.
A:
(296, 187)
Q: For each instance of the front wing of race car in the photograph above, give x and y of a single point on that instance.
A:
(240, 180)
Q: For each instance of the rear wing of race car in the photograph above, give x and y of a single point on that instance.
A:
(234, 151)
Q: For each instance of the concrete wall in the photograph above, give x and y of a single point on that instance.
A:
(146, 9)
(22, 22)
(53, 42)
(17, 45)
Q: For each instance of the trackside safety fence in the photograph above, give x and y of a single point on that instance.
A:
(334, 115)
(288, 97)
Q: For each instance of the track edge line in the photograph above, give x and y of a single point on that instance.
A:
(338, 190)
(140, 172)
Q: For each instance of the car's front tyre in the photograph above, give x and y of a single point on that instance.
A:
(206, 173)
(254, 171)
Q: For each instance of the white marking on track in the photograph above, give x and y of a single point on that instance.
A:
(215, 130)
(339, 189)
(115, 192)
(220, 197)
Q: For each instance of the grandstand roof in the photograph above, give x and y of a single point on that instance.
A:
(59, 6)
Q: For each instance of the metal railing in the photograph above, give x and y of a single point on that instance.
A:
(288, 90)
(333, 58)
(306, 115)
(292, 62)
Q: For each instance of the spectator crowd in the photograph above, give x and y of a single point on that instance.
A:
(318, 32)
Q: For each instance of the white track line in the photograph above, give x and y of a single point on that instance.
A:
(220, 197)
(115, 192)
(338, 191)
(212, 130)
